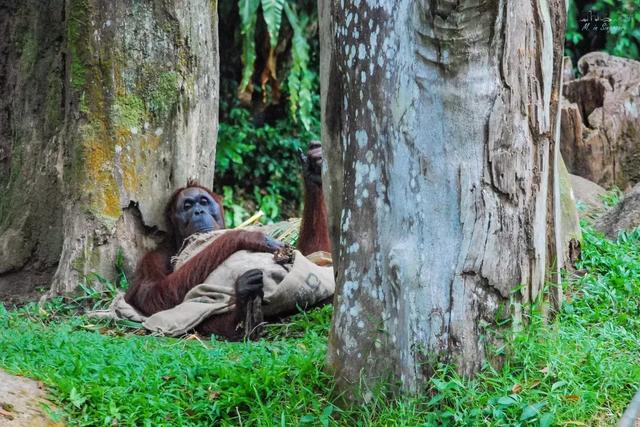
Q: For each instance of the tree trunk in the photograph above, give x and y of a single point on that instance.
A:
(31, 151)
(439, 126)
(123, 111)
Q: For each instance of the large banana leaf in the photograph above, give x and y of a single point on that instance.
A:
(272, 12)
(248, 17)
(298, 81)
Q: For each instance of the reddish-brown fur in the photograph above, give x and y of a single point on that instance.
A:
(156, 287)
(314, 231)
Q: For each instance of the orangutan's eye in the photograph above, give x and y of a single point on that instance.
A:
(187, 205)
(204, 201)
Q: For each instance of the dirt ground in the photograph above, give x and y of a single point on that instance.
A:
(21, 401)
(20, 288)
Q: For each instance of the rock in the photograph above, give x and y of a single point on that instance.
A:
(624, 216)
(13, 253)
(589, 195)
(600, 121)
(21, 401)
(567, 70)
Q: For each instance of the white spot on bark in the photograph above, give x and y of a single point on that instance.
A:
(352, 55)
(361, 138)
(349, 288)
(355, 310)
(362, 51)
(373, 41)
(345, 220)
(362, 172)
(158, 131)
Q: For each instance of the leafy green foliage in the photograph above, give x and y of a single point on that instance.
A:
(612, 197)
(580, 370)
(624, 29)
(248, 19)
(106, 379)
(300, 80)
(258, 167)
(272, 15)
(573, 34)
(235, 213)
(97, 292)
(610, 25)
(257, 164)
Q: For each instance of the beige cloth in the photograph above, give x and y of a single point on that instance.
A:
(287, 288)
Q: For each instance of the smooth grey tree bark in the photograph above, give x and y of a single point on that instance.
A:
(439, 127)
(124, 110)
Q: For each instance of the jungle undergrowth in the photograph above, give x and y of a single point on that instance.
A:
(580, 370)
(258, 167)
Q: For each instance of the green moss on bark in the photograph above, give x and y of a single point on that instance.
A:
(164, 95)
(77, 32)
(29, 52)
(128, 112)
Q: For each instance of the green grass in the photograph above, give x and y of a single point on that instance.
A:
(580, 370)
(612, 197)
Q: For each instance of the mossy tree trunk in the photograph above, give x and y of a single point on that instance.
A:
(439, 124)
(31, 150)
(128, 113)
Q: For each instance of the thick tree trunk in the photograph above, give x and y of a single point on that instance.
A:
(128, 113)
(31, 150)
(439, 126)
